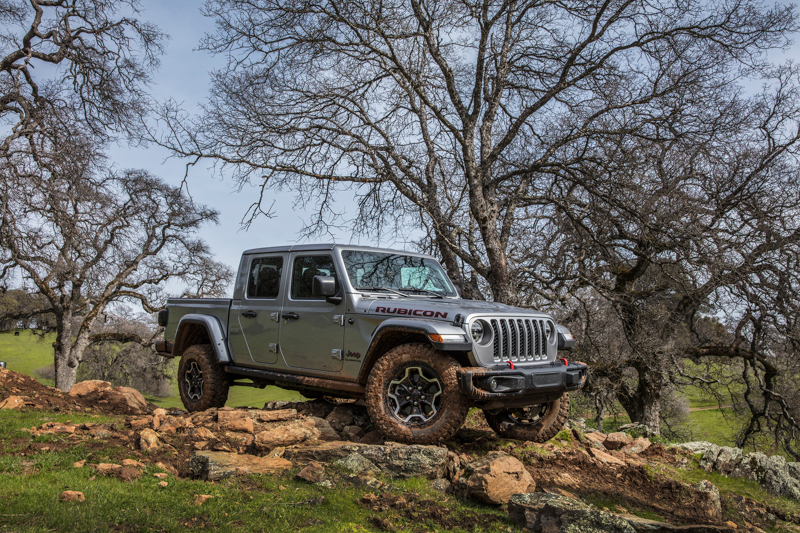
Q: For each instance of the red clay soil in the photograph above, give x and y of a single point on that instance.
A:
(42, 397)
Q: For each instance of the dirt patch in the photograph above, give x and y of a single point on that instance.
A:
(411, 510)
(44, 398)
(634, 483)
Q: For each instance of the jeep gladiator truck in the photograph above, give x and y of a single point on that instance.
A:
(382, 325)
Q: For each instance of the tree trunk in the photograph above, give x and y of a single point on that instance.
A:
(644, 404)
(66, 368)
(64, 356)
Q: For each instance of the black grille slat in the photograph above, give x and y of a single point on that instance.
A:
(513, 351)
(496, 343)
(531, 351)
(504, 339)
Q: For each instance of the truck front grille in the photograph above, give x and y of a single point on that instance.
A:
(518, 339)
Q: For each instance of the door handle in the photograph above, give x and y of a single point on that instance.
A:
(287, 316)
(250, 314)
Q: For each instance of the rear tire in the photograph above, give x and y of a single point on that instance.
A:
(202, 381)
(413, 395)
(538, 423)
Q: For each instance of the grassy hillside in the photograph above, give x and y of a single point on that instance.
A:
(27, 352)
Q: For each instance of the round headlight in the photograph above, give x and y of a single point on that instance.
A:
(549, 332)
(476, 330)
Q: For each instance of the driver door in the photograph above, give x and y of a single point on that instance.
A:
(312, 331)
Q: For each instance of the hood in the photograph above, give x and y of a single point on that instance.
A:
(437, 309)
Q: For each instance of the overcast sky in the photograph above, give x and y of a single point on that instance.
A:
(184, 76)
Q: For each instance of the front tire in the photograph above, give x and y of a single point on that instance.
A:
(413, 395)
(537, 423)
(202, 382)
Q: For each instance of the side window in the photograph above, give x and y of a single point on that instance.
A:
(304, 270)
(265, 277)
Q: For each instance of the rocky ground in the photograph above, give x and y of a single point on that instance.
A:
(546, 488)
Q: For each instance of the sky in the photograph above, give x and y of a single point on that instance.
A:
(184, 77)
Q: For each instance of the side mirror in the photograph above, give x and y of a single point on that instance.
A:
(325, 286)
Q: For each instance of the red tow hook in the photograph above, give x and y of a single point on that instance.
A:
(566, 363)
(510, 365)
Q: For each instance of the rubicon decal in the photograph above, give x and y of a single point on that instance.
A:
(410, 312)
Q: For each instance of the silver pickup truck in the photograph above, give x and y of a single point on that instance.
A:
(382, 325)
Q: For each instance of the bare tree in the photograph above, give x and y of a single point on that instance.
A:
(85, 237)
(84, 61)
(671, 226)
(451, 111)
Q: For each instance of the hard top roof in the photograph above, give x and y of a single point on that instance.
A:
(325, 247)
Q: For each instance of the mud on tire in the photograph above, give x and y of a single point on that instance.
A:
(535, 423)
(201, 380)
(416, 373)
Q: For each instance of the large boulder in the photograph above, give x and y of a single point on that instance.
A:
(392, 459)
(12, 402)
(132, 398)
(617, 441)
(551, 513)
(496, 477)
(699, 446)
(87, 387)
(213, 466)
(407, 461)
(709, 502)
(727, 460)
(286, 435)
(709, 458)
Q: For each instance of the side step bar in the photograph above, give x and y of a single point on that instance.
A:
(294, 381)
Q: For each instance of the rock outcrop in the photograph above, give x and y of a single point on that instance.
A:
(773, 472)
(213, 466)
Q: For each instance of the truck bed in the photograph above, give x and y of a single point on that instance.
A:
(179, 307)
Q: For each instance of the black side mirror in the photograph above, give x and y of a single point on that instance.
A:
(325, 286)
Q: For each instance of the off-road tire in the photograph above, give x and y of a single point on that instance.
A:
(214, 381)
(453, 406)
(541, 430)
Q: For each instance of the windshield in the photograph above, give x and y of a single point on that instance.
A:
(393, 272)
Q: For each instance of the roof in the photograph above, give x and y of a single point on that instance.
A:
(325, 247)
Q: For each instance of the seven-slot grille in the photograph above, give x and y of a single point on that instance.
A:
(519, 339)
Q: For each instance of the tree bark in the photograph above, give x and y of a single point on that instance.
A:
(644, 404)
(64, 357)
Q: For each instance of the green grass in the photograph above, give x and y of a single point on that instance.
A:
(713, 426)
(31, 485)
(26, 353)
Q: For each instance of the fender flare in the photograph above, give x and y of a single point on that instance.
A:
(216, 334)
(411, 326)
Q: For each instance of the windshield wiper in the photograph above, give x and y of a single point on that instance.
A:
(425, 291)
(387, 289)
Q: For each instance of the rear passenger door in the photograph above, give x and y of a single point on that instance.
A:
(257, 314)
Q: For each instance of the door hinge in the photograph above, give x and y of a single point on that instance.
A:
(336, 354)
(275, 317)
(338, 319)
(273, 347)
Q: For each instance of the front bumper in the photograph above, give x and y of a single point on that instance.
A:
(495, 389)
